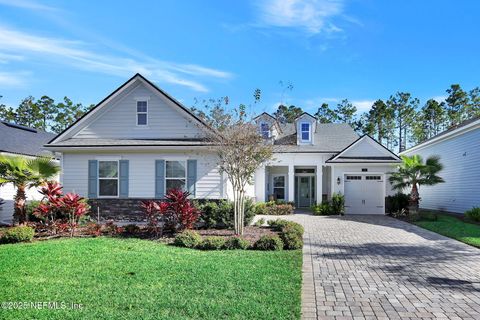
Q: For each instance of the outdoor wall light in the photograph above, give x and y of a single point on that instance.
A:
(338, 181)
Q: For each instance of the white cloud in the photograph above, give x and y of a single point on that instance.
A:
(13, 79)
(29, 5)
(77, 54)
(312, 16)
(363, 105)
(440, 98)
(5, 58)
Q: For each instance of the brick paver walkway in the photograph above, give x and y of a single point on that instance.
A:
(377, 267)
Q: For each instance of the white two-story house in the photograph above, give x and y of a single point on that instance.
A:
(139, 142)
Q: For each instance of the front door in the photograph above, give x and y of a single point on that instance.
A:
(305, 187)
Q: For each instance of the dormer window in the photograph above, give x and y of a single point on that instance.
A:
(265, 130)
(142, 113)
(305, 131)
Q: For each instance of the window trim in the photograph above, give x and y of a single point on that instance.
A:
(284, 185)
(172, 178)
(117, 178)
(138, 113)
(309, 131)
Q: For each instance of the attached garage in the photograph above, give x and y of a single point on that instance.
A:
(360, 172)
(364, 193)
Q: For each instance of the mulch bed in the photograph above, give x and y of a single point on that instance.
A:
(251, 233)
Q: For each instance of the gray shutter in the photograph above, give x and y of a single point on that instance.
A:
(123, 178)
(191, 176)
(92, 178)
(159, 178)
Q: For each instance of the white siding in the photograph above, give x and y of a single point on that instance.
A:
(118, 119)
(460, 157)
(7, 193)
(341, 170)
(142, 172)
(366, 148)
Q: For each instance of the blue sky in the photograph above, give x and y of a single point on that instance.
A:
(328, 50)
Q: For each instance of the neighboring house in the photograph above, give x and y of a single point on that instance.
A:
(139, 142)
(16, 140)
(459, 151)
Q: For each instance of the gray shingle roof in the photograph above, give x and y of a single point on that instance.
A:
(23, 140)
(329, 137)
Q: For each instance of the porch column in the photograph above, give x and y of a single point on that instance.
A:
(319, 179)
(291, 182)
(260, 184)
(333, 181)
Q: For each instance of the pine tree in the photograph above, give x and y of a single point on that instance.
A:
(404, 107)
(325, 115)
(345, 112)
(457, 102)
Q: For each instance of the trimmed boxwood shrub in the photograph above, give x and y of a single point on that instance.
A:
(291, 239)
(188, 239)
(291, 233)
(280, 225)
(219, 214)
(269, 242)
(473, 214)
(18, 234)
(212, 243)
(234, 243)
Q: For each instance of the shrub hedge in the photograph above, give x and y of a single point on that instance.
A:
(219, 214)
(234, 243)
(188, 239)
(473, 214)
(212, 243)
(18, 234)
(269, 243)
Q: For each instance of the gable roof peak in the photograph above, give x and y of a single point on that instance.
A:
(307, 114)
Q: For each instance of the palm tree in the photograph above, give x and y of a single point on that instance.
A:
(25, 173)
(413, 172)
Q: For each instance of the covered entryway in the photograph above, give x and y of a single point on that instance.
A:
(364, 193)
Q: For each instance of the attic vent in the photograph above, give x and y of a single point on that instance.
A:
(17, 126)
(364, 170)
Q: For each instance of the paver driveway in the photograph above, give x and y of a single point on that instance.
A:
(377, 267)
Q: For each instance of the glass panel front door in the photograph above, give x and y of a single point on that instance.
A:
(305, 191)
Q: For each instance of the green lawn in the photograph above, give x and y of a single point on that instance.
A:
(140, 279)
(453, 227)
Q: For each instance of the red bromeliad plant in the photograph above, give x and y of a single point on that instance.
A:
(57, 207)
(185, 212)
(177, 211)
(75, 207)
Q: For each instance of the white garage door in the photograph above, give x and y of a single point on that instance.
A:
(364, 194)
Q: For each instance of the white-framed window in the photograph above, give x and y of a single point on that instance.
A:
(108, 178)
(305, 131)
(175, 175)
(265, 130)
(279, 187)
(142, 112)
